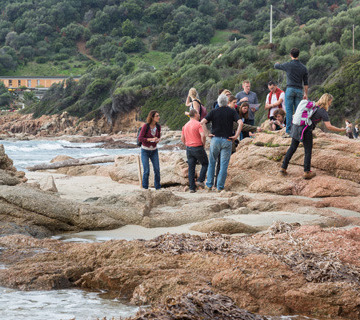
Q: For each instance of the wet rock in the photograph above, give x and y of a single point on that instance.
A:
(8, 173)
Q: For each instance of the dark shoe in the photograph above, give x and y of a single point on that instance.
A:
(192, 191)
(309, 175)
(283, 171)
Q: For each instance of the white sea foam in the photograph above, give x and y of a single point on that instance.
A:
(32, 152)
(59, 304)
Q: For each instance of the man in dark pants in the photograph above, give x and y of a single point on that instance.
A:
(296, 77)
(193, 137)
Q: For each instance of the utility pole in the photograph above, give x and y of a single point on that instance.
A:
(270, 23)
(353, 38)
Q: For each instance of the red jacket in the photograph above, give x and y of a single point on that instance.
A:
(278, 92)
(145, 134)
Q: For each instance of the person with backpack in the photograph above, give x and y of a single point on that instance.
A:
(193, 102)
(149, 137)
(307, 116)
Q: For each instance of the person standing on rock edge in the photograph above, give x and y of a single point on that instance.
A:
(222, 120)
(296, 77)
(193, 137)
(321, 113)
(149, 137)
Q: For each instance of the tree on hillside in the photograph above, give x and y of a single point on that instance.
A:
(5, 96)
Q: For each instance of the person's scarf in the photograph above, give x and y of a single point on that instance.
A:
(278, 92)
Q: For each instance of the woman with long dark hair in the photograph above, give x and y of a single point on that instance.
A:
(149, 137)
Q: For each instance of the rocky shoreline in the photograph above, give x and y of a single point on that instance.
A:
(241, 259)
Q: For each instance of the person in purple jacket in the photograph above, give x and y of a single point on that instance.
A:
(149, 137)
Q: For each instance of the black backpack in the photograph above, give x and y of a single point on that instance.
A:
(139, 143)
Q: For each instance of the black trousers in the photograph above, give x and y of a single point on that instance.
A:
(308, 144)
(195, 154)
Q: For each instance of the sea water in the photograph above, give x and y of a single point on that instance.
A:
(31, 152)
(59, 305)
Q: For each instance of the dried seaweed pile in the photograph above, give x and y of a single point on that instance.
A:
(203, 304)
(211, 242)
(281, 227)
(321, 268)
(316, 267)
(301, 258)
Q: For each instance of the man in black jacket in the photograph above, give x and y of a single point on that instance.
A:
(296, 80)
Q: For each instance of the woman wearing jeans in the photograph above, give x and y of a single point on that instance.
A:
(149, 137)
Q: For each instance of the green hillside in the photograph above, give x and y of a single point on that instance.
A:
(145, 53)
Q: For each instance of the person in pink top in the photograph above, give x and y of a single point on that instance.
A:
(193, 137)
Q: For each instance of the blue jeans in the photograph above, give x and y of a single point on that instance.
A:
(153, 155)
(222, 147)
(195, 154)
(293, 96)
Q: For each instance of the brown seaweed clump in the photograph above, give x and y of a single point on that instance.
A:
(214, 242)
(203, 304)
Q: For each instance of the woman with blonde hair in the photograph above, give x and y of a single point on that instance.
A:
(193, 101)
(322, 106)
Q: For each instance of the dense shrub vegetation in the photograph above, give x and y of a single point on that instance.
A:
(208, 44)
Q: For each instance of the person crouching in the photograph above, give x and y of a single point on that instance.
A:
(193, 137)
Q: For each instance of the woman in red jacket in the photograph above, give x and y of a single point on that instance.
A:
(149, 137)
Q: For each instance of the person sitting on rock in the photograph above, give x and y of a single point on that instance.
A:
(193, 137)
(244, 116)
(321, 113)
(279, 122)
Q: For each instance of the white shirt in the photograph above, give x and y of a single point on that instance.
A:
(273, 100)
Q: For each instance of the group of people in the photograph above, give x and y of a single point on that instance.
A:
(232, 116)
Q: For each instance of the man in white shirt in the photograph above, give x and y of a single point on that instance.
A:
(274, 100)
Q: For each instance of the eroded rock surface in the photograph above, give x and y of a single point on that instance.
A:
(293, 272)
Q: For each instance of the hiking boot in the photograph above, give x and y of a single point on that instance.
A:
(309, 175)
(207, 189)
(286, 135)
(283, 171)
(192, 191)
